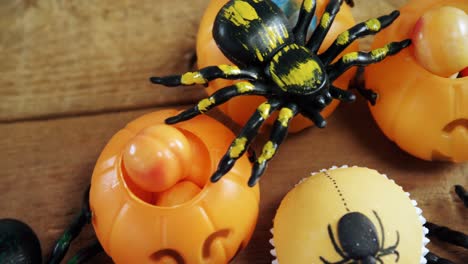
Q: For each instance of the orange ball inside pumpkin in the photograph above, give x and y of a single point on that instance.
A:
(241, 108)
(189, 220)
(424, 113)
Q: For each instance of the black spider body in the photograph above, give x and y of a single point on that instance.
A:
(267, 42)
(263, 31)
(277, 61)
(358, 237)
(359, 240)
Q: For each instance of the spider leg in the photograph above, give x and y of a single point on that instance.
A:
(369, 27)
(278, 134)
(203, 76)
(382, 232)
(391, 250)
(337, 249)
(335, 245)
(364, 58)
(305, 17)
(447, 235)
(434, 259)
(314, 115)
(243, 139)
(86, 253)
(358, 83)
(342, 95)
(219, 97)
(324, 25)
(71, 233)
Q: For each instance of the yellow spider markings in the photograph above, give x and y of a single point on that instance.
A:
(276, 58)
(350, 57)
(264, 110)
(259, 55)
(192, 78)
(308, 4)
(284, 116)
(343, 38)
(238, 147)
(373, 24)
(243, 87)
(241, 13)
(300, 74)
(267, 152)
(205, 103)
(379, 53)
(274, 36)
(325, 20)
(229, 69)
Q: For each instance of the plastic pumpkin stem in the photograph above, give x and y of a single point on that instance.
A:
(63, 243)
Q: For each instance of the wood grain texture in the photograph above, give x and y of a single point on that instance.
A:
(64, 58)
(79, 66)
(46, 165)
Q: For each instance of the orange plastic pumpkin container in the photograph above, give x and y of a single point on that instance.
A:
(425, 114)
(187, 219)
(241, 108)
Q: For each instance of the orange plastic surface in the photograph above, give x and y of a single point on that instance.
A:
(157, 157)
(425, 114)
(193, 221)
(440, 39)
(241, 108)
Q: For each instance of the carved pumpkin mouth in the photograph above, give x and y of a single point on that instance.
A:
(448, 132)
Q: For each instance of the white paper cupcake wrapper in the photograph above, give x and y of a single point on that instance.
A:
(425, 240)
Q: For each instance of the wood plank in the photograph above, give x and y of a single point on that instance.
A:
(47, 164)
(68, 58)
(71, 57)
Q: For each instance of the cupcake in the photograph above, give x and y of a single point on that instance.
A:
(348, 214)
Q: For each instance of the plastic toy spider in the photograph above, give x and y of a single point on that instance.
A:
(277, 62)
(359, 240)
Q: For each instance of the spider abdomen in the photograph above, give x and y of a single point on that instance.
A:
(296, 70)
(358, 236)
(250, 32)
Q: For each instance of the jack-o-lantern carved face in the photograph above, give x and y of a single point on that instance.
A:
(424, 113)
(194, 221)
(357, 216)
(241, 108)
(164, 255)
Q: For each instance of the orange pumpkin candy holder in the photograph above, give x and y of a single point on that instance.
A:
(186, 218)
(241, 108)
(425, 114)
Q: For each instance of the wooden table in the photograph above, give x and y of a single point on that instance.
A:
(73, 73)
